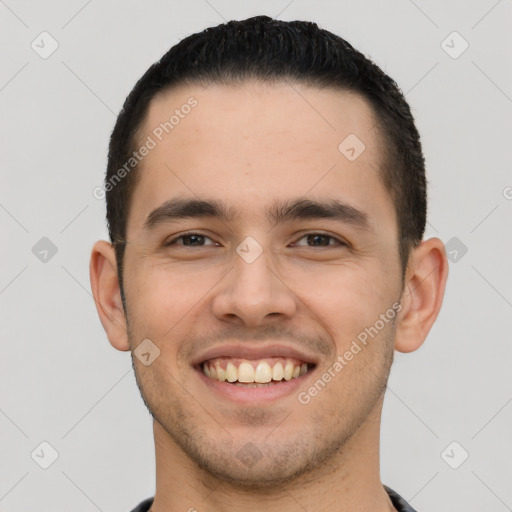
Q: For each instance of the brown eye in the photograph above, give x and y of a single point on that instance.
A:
(320, 240)
(189, 240)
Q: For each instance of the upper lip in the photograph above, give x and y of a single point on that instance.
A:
(246, 351)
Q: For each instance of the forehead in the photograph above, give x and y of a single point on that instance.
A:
(256, 113)
(252, 143)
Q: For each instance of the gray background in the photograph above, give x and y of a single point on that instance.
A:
(61, 381)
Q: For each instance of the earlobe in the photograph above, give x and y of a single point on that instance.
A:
(423, 294)
(107, 295)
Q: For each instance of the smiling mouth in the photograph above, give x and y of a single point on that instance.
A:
(255, 373)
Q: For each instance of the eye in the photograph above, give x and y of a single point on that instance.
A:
(320, 240)
(193, 239)
(189, 240)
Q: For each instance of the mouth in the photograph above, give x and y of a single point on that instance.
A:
(254, 379)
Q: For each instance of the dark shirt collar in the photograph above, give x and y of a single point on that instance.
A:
(398, 502)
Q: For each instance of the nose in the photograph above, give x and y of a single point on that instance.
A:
(253, 292)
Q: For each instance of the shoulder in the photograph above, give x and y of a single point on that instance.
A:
(398, 502)
(143, 506)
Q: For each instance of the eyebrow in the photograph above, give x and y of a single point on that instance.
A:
(279, 212)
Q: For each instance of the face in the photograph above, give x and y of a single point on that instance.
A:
(278, 280)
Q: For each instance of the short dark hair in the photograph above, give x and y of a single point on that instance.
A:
(271, 50)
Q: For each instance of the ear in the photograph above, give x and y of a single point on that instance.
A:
(107, 294)
(423, 294)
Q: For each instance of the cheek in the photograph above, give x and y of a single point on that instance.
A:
(345, 298)
(162, 298)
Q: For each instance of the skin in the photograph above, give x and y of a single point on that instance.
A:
(248, 146)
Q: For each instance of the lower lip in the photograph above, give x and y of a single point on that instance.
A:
(247, 395)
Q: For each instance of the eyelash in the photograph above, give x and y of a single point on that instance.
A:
(193, 233)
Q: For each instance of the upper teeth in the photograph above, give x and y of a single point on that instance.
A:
(247, 371)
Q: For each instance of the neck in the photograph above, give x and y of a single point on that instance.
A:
(348, 481)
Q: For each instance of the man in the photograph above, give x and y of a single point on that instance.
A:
(266, 203)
